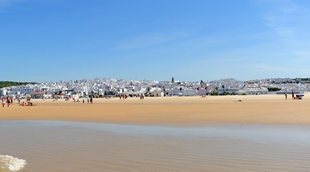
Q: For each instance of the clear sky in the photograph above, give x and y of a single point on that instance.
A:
(49, 40)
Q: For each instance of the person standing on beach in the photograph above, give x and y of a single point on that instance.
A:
(285, 95)
(3, 102)
(141, 96)
(293, 95)
(91, 99)
(8, 101)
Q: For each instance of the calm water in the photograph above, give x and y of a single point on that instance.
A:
(79, 147)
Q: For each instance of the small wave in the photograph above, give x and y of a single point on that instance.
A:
(11, 163)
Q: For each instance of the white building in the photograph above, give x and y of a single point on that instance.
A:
(3, 91)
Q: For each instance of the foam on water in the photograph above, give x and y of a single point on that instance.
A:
(11, 163)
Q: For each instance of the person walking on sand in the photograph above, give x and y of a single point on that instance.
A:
(285, 95)
(293, 95)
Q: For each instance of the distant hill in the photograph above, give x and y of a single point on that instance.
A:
(11, 83)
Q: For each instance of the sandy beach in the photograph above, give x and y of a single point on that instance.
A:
(263, 109)
(158, 134)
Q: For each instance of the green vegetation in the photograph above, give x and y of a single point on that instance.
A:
(274, 89)
(215, 93)
(10, 83)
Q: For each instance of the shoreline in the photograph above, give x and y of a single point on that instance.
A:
(185, 111)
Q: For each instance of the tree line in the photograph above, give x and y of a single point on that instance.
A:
(11, 83)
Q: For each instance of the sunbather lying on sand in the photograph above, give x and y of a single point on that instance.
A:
(26, 104)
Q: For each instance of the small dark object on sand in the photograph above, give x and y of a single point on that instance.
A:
(239, 100)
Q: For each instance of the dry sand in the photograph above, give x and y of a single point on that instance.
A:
(265, 109)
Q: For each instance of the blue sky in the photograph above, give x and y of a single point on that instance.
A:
(49, 40)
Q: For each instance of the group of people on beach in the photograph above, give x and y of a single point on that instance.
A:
(10, 100)
(294, 97)
(6, 101)
(125, 96)
(89, 100)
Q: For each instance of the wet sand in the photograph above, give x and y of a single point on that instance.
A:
(265, 109)
(78, 147)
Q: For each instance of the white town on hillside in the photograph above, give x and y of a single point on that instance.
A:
(151, 88)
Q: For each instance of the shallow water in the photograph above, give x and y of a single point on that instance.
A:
(74, 147)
